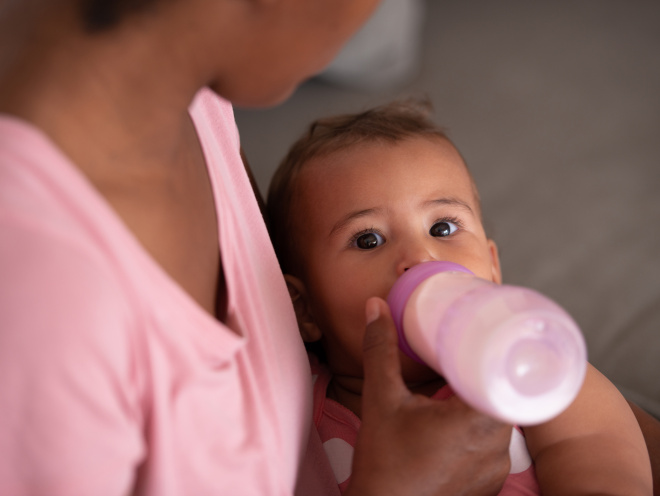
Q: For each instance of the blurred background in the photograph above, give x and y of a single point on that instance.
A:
(556, 109)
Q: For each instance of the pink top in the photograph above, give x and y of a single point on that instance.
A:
(110, 374)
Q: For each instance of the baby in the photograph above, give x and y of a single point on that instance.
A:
(360, 199)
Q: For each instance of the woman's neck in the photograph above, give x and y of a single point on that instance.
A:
(128, 98)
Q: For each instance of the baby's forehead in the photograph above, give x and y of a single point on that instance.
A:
(342, 159)
(320, 174)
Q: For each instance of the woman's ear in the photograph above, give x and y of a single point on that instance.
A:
(495, 262)
(309, 331)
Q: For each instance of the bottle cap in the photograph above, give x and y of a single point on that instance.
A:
(400, 294)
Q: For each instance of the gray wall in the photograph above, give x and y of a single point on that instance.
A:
(556, 108)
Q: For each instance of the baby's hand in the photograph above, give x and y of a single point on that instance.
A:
(410, 444)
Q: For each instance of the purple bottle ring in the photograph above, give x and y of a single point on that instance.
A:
(399, 295)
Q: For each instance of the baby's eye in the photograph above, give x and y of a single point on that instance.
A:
(442, 228)
(368, 241)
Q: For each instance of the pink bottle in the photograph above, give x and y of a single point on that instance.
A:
(507, 351)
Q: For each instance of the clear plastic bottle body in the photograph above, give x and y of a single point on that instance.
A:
(506, 350)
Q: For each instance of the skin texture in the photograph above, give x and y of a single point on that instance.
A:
(395, 417)
(116, 103)
(596, 445)
(398, 192)
(143, 155)
(393, 194)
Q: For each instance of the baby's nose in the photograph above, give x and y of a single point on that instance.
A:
(412, 256)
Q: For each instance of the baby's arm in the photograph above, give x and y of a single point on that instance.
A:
(651, 429)
(594, 447)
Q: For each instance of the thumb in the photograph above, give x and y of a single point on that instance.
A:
(383, 385)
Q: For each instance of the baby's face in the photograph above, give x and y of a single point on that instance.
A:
(368, 213)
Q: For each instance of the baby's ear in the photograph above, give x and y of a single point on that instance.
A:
(309, 331)
(495, 262)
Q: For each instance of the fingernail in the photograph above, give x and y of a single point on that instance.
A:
(372, 310)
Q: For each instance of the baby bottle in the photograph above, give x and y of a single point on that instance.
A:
(507, 351)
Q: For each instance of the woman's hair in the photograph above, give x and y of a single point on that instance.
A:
(393, 122)
(102, 15)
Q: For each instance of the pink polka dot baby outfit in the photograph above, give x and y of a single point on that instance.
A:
(338, 428)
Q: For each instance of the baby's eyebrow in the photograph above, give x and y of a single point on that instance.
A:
(351, 216)
(453, 202)
(356, 214)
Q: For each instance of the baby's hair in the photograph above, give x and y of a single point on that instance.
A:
(391, 123)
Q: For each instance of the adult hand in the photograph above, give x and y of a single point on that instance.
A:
(411, 444)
